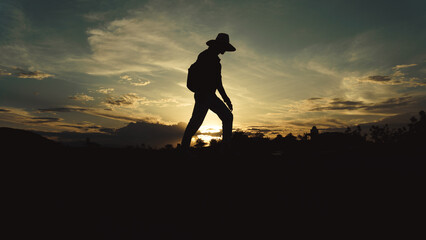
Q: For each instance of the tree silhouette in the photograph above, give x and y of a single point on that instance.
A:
(200, 143)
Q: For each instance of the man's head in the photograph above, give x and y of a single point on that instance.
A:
(221, 44)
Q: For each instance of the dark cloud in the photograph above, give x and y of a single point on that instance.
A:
(341, 104)
(36, 75)
(154, 134)
(44, 120)
(4, 73)
(89, 128)
(264, 126)
(4, 110)
(261, 130)
(320, 123)
(379, 78)
(22, 73)
(127, 99)
(136, 133)
(97, 113)
(62, 109)
(81, 97)
(314, 99)
(391, 103)
(339, 101)
(122, 117)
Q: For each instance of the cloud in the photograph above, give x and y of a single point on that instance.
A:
(125, 100)
(105, 90)
(88, 127)
(95, 16)
(36, 75)
(390, 103)
(337, 104)
(15, 117)
(148, 39)
(21, 73)
(262, 130)
(133, 100)
(126, 77)
(399, 76)
(377, 78)
(101, 113)
(134, 81)
(4, 73)
(154, 134)
(63, 109)
(133, 134)
(44, 120)
(122, 117)
(81, 97)
(147, 130)
(314, 99)
(320, 123)
(140, 83)
(397, 67)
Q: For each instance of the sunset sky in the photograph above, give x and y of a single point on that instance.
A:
(88, 66)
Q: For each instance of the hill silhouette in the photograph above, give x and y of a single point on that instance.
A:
(321, 183)
(23, 139)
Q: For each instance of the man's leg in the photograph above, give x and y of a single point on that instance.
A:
(219, 107)
(198, 115)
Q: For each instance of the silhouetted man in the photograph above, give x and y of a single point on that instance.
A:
(208, 62)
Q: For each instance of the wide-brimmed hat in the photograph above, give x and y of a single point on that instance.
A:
(222, 41)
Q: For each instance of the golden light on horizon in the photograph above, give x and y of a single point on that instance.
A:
(208, 133)
(208, 138)
(210, 129)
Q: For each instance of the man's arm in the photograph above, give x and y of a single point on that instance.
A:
(224, 96)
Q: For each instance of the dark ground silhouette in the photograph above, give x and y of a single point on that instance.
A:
(322, 184)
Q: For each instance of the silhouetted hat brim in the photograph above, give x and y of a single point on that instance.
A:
(225, 46)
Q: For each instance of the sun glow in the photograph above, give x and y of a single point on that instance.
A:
(209, 132)
(210, 129)
(207, 138)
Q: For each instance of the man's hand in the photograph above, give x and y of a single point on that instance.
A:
(228, 103)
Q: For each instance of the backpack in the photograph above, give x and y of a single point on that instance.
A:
(193, 81)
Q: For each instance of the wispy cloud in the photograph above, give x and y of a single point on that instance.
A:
(33, 120)
(397, 77)
(140, 83)
(126, 77)
(377, 78)
(105, 90)
(338, 104)
(145, 41)
(321, 123)
(63, 109)
(125, 100)
(105, 113)
(4, 73)
(22, 73)
(134, 81)
(36, 75)
(81, 97)
(45, 120)
(133, 100)
(397, 67)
